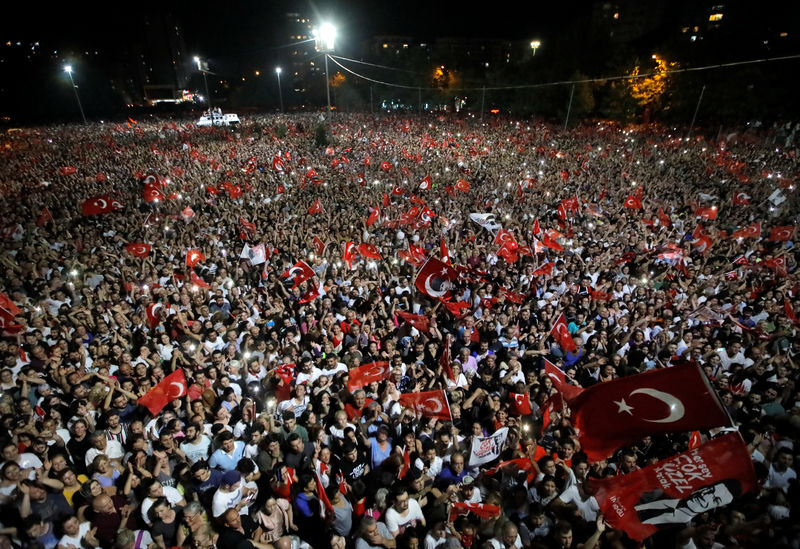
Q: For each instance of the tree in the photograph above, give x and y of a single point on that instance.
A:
(647, 89)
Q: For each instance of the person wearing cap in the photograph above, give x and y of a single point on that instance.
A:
(467, 491)
(229, 495)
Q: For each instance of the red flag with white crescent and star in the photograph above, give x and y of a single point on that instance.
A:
(369, 251)
(171, 387)
(315, 208)
(612, 414)
(425, 183)
(420, 322)
(777, 234)
(462, 185)
(545, 269)
(299, 272)
(519, 404)
(367, 373)
(561, 334)
(319, 245)
(99, 205)
(741, 199)
(633, 202)
(138, 249)
(374, 214)
(504, 237)
(750, 231)
(672, 492)
(349, 254)
(193, 257)
(435, 279)
(431, 404)
(559, 380)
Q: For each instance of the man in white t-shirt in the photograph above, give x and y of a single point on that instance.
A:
(74, 532)
(781, 472)
(230, 495)
(196, 445)
(404, 513)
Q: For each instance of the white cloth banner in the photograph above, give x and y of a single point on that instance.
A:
(486, 449)
(486, 220)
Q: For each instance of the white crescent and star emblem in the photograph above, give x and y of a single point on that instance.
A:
(180, 392)
(436, 402)
(376, 371)
(101, 203)
(676, 407)
(434, 293)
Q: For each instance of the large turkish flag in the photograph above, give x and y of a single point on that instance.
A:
(171, 387)
(619, 412)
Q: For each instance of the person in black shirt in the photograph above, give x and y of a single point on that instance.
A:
(79, 444)
(354, 464)
(237, 532)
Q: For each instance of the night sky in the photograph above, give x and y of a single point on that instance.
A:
(244, 27)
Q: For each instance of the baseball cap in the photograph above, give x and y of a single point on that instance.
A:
(230, 478)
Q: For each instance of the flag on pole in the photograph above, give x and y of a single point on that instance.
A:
(615, 413)
(428, 403)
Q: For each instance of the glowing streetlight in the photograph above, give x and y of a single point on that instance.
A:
(280, 92)
(535, 45)
(68, 70)
(325, 37)
(202, 66)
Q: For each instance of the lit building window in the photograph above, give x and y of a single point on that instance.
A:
(405, 46)
(616, 15)
(386, 45)
(783, 34)
(715, 17)
(685, 30)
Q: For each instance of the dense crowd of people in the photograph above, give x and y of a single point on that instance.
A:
(266, 432)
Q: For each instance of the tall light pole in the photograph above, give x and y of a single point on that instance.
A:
(325, 37)
(202, 66)
(535, 45)
(68, 70)
(280, 93)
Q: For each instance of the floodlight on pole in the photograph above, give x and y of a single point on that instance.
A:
(535, 45)
(202, 66)
(68, 70)
(280, 92)
(325, 37)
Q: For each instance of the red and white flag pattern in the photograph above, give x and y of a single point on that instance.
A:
(431, 404)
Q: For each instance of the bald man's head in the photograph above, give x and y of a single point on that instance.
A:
(104, 505)
(232, 519)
